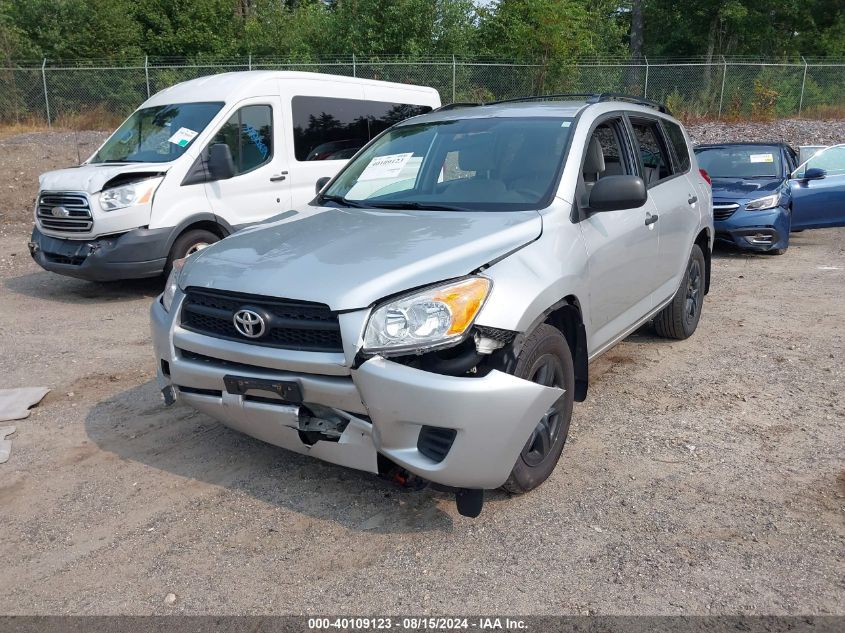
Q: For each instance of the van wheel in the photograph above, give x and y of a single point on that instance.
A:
(187, 244)
(545, 359)
(679, 319)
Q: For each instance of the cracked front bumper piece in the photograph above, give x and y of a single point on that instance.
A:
(477, 424)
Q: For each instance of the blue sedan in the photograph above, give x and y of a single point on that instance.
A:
(760, 193)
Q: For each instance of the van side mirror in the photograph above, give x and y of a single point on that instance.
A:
(613, 193)
(321, 182)
(221, 166)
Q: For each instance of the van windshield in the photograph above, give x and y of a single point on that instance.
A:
(158, 134)
(490, 164)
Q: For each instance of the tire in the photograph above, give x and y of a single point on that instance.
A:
(776, 251)
(187, 243)
(679, 319)
(546, 347)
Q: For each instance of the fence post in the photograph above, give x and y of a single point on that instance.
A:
(722, 93)
(645, 87)
(46, 98)
(454, 79)
(803, 83)
(249, 62)
(147, 73)
(354, 66)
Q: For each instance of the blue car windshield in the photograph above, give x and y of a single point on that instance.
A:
(489, 164)
(158, 134)
(740, 161)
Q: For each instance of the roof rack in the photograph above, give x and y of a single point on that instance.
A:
(458, 104)
(591, 97)
(618, 96)
(560, 95)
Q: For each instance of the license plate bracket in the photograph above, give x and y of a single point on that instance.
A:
(287, 390)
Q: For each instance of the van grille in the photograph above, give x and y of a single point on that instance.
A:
(75, 217)
(297, 325)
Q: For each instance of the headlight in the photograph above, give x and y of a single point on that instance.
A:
(126, 195)
(769, 202)
(431, 318)
(172, 283)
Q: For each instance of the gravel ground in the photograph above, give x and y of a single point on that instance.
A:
(701, 477)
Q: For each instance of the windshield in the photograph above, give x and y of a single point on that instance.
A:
(490, 164)
(158, 134)
(740, 161)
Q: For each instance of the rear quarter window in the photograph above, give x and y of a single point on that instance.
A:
(679, 144)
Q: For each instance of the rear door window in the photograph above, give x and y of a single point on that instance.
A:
(679, 144)
(654, 156)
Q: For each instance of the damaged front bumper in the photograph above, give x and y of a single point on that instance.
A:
(462, 432)
(131, 255)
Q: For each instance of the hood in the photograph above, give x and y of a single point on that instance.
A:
(91, 178)
(738, 189)
(351, 258)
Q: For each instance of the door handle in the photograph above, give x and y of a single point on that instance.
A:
(279, 177)
(692, 199)
(651, 219)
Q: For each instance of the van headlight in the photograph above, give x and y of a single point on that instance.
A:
(140, 192)
(761, 204)
(172, 284)
(435, 317)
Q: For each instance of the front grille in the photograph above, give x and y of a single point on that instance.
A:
(724, 211)
(76, 207)
(296, 325)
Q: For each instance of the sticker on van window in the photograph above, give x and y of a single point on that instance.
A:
(385, 166)
(762, 158)
(182, 137)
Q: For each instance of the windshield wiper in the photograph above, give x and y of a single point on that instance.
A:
(323, 197)
(424, 206)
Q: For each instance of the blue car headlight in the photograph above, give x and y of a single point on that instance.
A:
(761, 204)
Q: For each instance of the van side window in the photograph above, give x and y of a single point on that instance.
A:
(653, 153)
(679, 144)
(249, 135)
(326, 128)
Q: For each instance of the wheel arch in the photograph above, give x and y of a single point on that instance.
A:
(566, 316)
(200, 221)
(702, 240)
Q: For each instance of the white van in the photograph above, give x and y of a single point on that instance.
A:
(202, 159)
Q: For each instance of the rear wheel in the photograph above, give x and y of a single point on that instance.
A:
(187, 244)
(679, 319)
(546, 360)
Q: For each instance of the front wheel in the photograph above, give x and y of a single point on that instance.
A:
(546, 360)
(187, 244)
(679, 319)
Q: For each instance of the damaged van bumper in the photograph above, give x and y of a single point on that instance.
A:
(462, 432)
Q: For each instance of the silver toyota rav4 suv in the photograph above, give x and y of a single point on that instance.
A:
(432, 314)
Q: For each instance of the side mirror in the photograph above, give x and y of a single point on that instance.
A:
(613, 193)
(220, 163)
(321, 182)
(814, 173)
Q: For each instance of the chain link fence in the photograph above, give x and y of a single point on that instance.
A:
(80, 94)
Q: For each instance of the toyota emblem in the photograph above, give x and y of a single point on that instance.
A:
(60, 212)
(249, 323)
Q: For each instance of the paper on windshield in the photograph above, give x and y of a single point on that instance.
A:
(385, 166)
(762, 158)
(182, 137)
